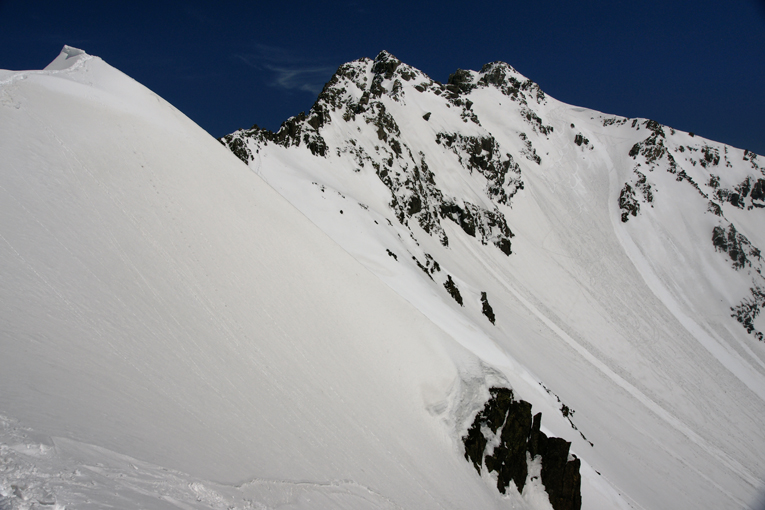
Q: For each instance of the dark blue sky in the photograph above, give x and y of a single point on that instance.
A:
(696, 66)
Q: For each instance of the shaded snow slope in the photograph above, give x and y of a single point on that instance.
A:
(619, 259)
(175, 334)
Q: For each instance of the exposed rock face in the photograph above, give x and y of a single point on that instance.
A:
(748, 310)
(629, 200)
(736, 245)
(521, 441)
(748, 257)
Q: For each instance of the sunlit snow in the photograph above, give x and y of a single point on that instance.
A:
(180, 330)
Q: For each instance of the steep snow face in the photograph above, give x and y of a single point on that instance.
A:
(175, 334)
(614, 263)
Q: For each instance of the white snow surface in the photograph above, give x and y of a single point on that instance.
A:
(177, 334)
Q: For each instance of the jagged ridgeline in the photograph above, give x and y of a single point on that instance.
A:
(354, 102)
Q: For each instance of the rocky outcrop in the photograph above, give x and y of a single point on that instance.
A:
(486, 308)
(453, 291)
(483, 155)
(629, 200)
(744, 256)
(748, 310)
(628, 203)
(736, 246)
(504, 438)
(652, 148)
(748, 194)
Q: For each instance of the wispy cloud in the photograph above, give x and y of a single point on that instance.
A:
(287, 70)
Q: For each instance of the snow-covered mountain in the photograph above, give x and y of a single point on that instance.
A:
(614, 259)
(440, 264)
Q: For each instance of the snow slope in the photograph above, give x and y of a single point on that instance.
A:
(633, 273)
(175, 334)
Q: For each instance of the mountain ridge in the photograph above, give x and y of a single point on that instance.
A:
(622, 235)
(502, 76)
(376, 312)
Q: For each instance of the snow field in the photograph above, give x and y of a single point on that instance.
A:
(160, 301)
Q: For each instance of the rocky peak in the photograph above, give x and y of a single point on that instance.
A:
(385, 55)
(361, 96)
(494, 74)
(462, 81)
(510, 82)
(385, 65)
(499, 74)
